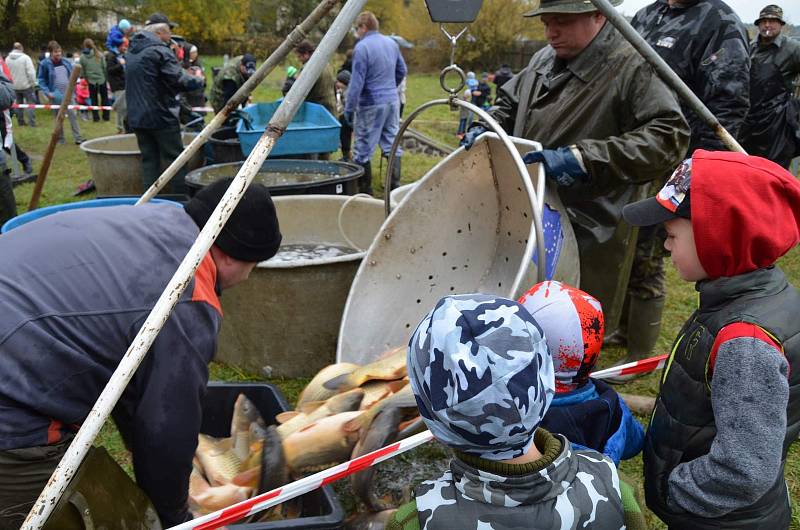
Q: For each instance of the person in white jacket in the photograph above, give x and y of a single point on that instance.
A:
(23, 75)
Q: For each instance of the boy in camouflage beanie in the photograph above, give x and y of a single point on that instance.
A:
(587, 411)
(483, 380)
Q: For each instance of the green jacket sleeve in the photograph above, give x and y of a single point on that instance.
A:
(656, 136)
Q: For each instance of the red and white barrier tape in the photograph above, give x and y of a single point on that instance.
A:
(637, 367)
(86, 107)
(274, 497)
(295, 489)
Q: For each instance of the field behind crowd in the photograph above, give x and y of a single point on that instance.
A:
(70, 168)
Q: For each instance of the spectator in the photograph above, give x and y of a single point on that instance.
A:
(503, 75)
(346, 132)
(23, 75)
(194, 66)
(464, 114)
(728, 406)
(323, 92)
(153, 80)
(291, 77)
(483, 380)
(772, 127)
(483, 92)
(585, 410)
(94, 70)
(231, 78)
(378, 69)
(118, 33)
(8, 204)
(83, 96)
(54, 74)
(115, 65)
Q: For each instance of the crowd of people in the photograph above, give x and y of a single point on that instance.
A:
(504, 383)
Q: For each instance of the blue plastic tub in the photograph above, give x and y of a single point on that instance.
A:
(48, 210)
(313, 130)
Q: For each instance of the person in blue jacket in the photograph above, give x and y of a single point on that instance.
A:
(54, 72)
(587, 411)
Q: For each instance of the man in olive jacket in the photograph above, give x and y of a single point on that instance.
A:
(152, 81)
(609, 126)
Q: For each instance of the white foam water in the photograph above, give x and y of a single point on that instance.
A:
(310, 251)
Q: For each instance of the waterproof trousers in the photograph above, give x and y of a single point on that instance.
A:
(159, 147)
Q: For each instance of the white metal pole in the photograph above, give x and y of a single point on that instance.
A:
(298, 34)
(80, 445)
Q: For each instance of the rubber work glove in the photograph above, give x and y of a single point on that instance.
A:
(347, 118)
(560, 165)
(471, 136)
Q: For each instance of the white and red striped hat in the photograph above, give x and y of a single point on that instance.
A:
(573, 326)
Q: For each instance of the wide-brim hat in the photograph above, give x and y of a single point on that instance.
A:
(565, 6)
(771, 11)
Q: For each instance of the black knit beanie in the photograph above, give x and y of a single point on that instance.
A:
(252, 232)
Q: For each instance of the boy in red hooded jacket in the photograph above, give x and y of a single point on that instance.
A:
(729, 402)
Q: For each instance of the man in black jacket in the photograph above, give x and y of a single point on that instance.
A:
(115, 65)
(153, 80)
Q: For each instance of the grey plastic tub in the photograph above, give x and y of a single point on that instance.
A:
(284, 320)
(115, 163)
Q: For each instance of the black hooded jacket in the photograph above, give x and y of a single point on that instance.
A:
(152, 82)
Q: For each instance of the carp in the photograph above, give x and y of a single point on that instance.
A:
(389, 367)
(314, 391)
(218, 497)
(310, 412)
(321, 444)
(375, 391)
(381, 432)
(245, 415)
(220, 463)
(402, 399)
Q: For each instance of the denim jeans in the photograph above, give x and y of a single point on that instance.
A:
(374, 125)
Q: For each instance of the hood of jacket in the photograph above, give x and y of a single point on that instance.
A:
(14, 55)
(143, 40)
(745, 212)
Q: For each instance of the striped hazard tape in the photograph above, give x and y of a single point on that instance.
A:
(323, 478)
(86, 107)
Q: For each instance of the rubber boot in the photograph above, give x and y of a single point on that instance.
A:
(365, 180)
(396, 173)
(644, 326)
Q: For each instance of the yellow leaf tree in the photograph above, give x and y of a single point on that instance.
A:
(205, 20)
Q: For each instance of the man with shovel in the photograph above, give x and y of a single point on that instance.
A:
(609, 126)
(76, 288)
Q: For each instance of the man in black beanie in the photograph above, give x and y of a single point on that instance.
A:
(76, 288)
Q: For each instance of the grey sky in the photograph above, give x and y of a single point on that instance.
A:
(746, 9)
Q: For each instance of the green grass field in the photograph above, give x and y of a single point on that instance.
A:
(70, 168)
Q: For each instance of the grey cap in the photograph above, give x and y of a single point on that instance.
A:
(565, 6)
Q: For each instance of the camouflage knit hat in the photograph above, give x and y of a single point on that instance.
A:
(565, 6)
(481, 375)
(573, 324)
(771, 11)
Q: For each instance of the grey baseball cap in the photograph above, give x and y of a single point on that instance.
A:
(565, 6)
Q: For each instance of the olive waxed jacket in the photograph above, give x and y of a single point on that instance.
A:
(627, 125)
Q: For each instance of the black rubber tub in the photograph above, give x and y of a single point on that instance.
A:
(287, 177)
(225, 146)
(321, 508)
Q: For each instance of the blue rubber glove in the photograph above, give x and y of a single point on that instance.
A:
(347, 118)
(560, 165)
(471, 136)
